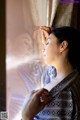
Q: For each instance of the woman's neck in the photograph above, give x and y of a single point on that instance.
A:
(63, 69)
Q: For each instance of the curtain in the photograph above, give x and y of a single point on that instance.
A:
(51, 12)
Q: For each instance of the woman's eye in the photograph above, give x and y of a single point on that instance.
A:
(48, 41)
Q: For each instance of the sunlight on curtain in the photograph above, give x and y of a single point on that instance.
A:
(23, 67)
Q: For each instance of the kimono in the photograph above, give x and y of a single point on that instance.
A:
(65, 104)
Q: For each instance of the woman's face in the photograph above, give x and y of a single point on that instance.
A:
(51, 50)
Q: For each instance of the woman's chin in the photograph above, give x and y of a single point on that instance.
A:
(47, 62)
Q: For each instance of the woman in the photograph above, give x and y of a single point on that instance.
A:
(61, 101)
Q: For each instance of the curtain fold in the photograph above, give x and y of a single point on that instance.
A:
(51, 13)
(63, 15)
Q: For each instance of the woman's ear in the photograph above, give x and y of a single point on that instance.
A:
(63, 46)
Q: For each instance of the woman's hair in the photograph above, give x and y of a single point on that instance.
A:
(72, 36)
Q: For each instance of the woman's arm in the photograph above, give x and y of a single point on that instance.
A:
(37, 100)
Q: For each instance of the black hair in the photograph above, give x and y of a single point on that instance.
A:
(72, 36)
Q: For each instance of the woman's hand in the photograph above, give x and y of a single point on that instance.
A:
(37, 100)
(45, 28)
(45, 32)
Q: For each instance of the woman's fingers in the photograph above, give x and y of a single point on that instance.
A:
(45, 31)
(43, 96)
(42, 91)
(33, 91)
(45, 99)
(44, 36)
(45, 28)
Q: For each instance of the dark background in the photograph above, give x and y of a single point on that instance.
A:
(2, 56)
